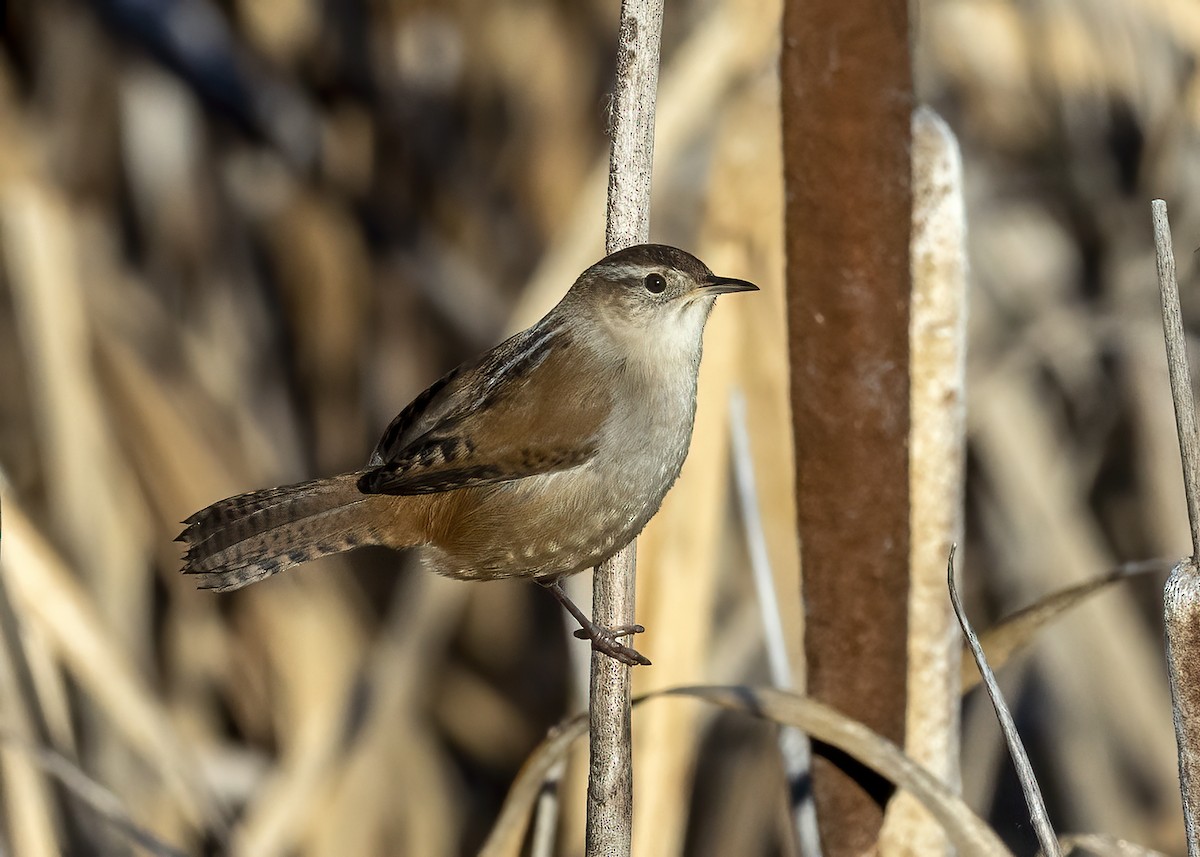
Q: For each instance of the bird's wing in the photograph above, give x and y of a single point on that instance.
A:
(524, 409)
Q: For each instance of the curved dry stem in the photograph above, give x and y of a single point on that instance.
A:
(969, 833)
(1014, 632)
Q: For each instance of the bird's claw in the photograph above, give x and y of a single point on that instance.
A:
(605, 640)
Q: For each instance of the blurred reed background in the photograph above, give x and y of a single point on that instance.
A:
(236, 236)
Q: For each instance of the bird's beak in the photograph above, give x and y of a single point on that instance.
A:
(714, 285)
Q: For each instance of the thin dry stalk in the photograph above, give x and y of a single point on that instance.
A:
(794, 746)
(610, 771)
(545, 824)
(1181, 596)
(1029, 783)
(1177, 367)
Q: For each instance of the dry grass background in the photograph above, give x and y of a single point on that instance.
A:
(235, 237)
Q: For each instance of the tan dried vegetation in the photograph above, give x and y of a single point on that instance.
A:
(232, 275)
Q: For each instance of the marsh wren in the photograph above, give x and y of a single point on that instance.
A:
(540, 459)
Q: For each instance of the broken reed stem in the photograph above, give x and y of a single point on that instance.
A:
(610, 771)
(1029, 784)
(1177, 367)
(1181, 595)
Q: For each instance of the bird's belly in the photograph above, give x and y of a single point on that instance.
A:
(554, 524)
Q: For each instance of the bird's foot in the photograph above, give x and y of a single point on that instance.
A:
(605, 640)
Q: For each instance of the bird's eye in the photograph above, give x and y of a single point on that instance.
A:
(655, 283)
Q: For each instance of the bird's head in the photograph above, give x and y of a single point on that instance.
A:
(651, 295)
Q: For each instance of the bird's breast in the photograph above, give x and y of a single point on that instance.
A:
(563, 522)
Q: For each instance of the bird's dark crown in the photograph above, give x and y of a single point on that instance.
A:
(656, 255)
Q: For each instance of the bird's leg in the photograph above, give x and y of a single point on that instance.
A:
(603, 639)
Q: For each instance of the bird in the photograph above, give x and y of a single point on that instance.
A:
(538, 460)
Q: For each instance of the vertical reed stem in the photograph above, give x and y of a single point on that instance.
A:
(1181, 595)
(610, 773)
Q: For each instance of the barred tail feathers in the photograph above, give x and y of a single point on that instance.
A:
(244, 539)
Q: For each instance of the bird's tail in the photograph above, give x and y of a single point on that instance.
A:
(243, 539)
